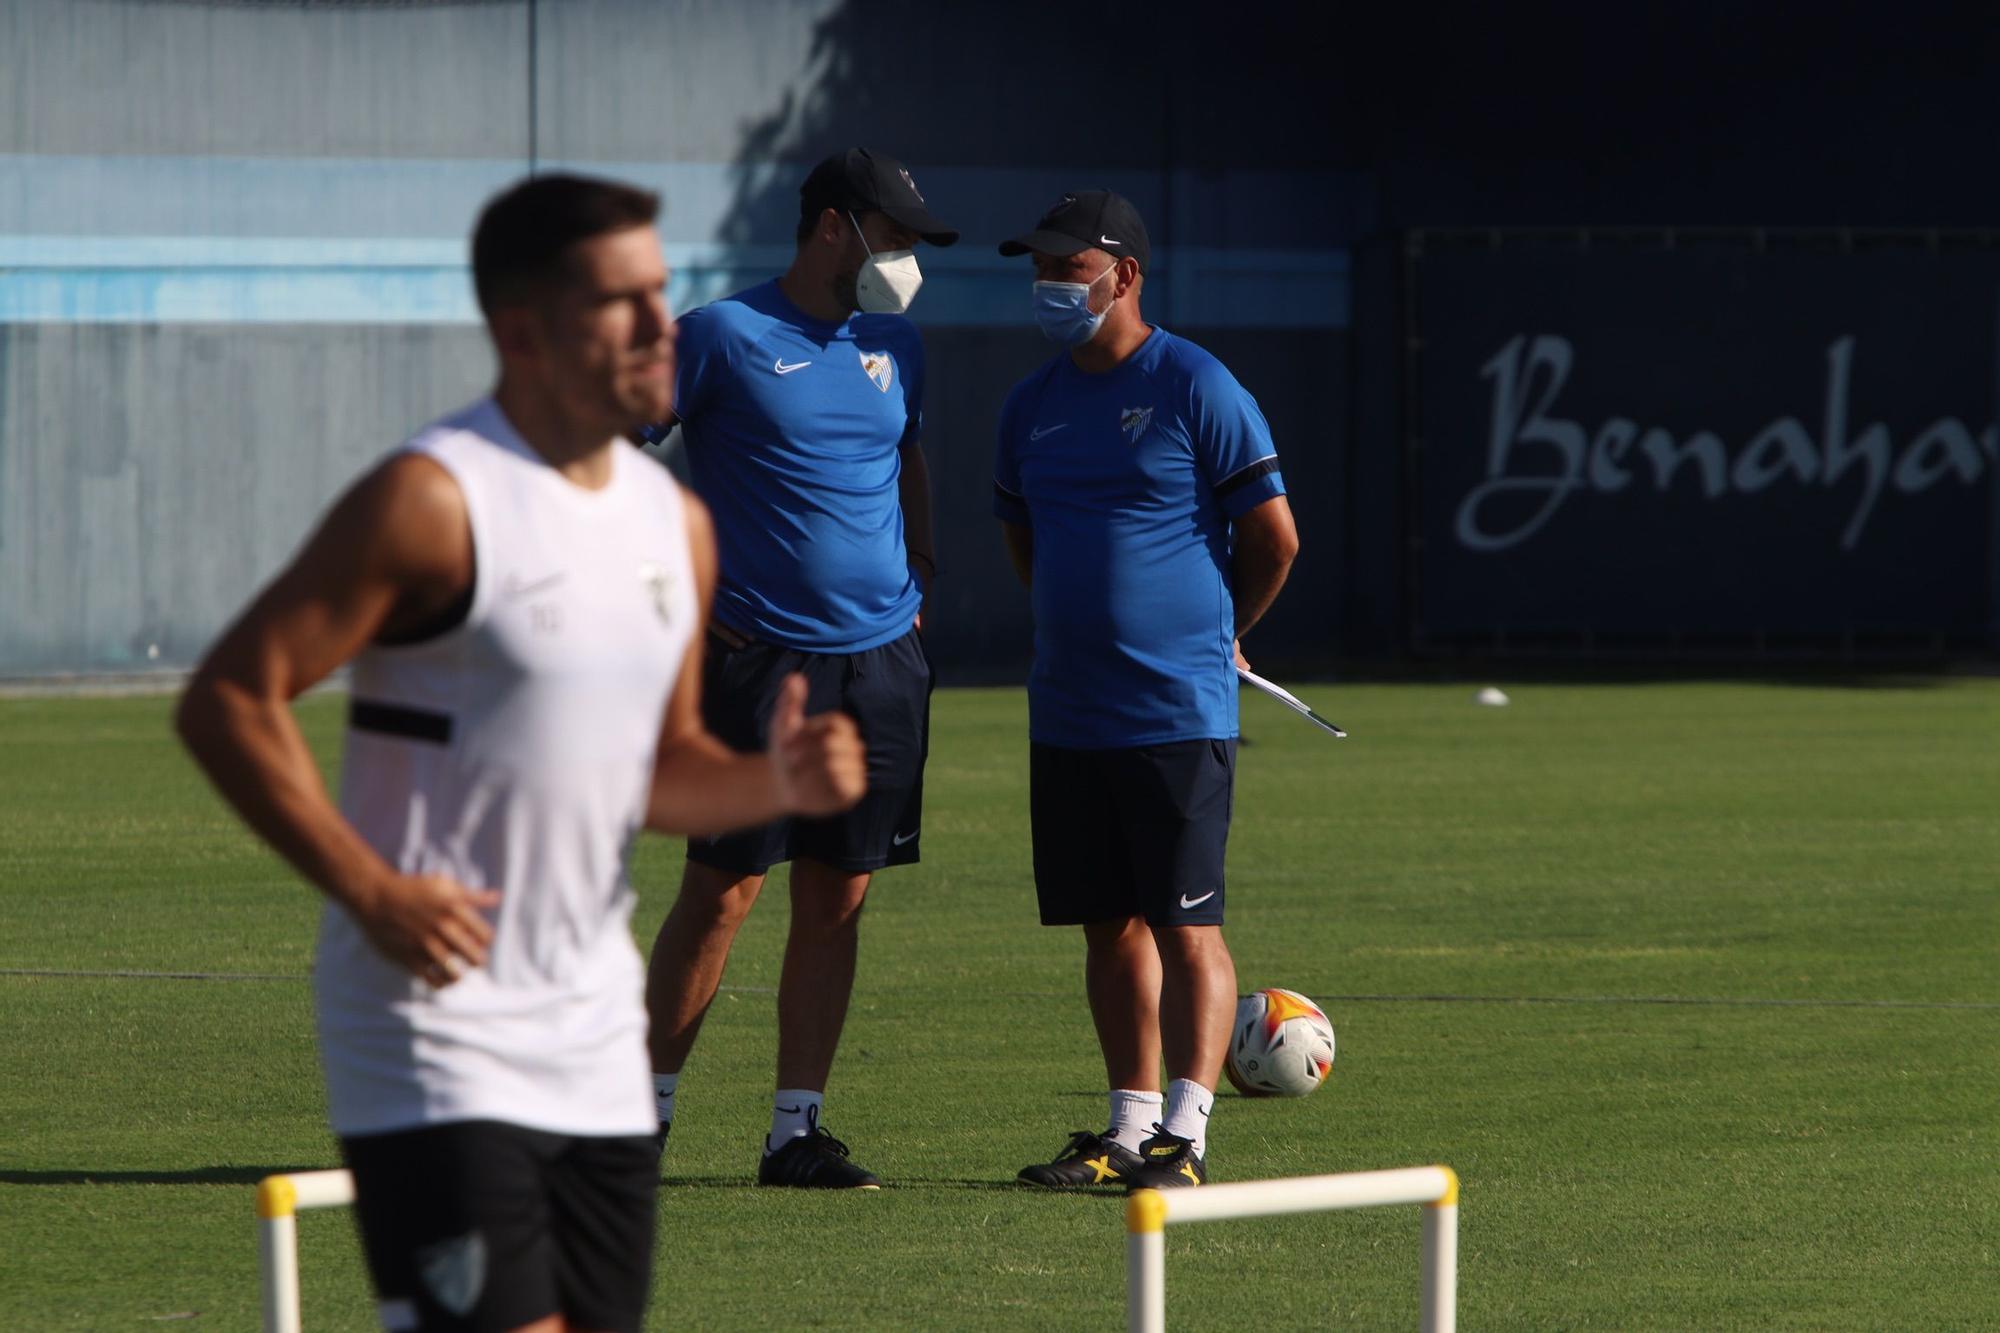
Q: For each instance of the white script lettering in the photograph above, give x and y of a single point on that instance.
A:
(1529, 374)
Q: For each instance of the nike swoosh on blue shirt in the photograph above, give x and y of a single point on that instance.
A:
(1040, 431)
(783, 369)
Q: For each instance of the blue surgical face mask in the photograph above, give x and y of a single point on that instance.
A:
(1063, 310)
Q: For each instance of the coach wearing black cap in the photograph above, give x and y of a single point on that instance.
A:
(801, 403)
(1139, 492)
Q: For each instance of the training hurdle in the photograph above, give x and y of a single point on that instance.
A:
(279, 1199)
(1148, 1213)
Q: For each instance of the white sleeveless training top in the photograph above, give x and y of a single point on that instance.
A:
(515, 752)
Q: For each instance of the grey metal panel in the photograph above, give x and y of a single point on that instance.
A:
(261, 198)
(152, 477)
(140, 76)
(688, 81)
(977, 82)
(755, 81)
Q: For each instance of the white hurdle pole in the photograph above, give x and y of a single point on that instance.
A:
(1148, 1213)
(1440, 1266)
(279, 1199)
(1146, 1262)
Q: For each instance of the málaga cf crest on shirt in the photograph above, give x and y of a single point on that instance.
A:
(659, 581)
(1133, 421)
(880, 368)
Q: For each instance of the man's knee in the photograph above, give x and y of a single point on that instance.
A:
(1190, 946)
(717, 897)
(1117, 937)
(826, 897)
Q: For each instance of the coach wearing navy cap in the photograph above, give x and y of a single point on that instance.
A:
(801, 403)
(1139, 492)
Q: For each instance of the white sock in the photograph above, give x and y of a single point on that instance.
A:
(663, 1095)
(1133, 1115)
(794, 1114)
(1188, 1105)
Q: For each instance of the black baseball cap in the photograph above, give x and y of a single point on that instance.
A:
(859, 180)
(1087, 220)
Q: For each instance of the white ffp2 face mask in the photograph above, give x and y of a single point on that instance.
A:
(887, 282)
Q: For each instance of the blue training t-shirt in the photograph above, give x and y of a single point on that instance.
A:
(792, 427)
(1129, 481)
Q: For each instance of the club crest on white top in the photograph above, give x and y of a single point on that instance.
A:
(659, 581)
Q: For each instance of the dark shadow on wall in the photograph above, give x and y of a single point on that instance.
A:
(858, 91)
(1091, 87)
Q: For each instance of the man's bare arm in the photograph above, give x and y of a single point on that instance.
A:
(1021, 550)
(1267, 541)
(913, 490)
(391, 553)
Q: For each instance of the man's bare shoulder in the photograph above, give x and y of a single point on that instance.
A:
(406, 517)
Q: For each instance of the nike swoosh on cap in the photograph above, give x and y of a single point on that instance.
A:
(1102, 239)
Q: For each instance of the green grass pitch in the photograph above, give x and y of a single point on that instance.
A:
(1787, 1156)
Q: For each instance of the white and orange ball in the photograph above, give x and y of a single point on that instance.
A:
(1281, 1046)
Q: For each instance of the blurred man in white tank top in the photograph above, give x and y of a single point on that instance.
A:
(514, 587)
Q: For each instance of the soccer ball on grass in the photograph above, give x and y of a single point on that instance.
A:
(1281, 1045)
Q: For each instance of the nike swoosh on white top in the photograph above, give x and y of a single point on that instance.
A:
(1196, 902)
(898, 839)
(1040, 431)
(783, 369)
(516, 586)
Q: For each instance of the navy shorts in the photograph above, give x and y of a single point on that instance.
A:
(886, 690)
(479, 1226)
(1134, 832)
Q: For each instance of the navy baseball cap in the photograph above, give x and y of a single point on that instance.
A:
(860, 180)
(1087, 220)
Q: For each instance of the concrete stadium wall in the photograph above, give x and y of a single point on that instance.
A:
(152, 476)
(232, 253)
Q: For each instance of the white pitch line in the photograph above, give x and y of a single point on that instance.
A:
(1726, 1001)
(136, 974)
(1748, 1002)
(1716, 1001)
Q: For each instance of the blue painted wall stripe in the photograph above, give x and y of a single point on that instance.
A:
(181, 280)
(351, 241)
